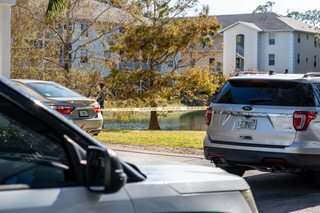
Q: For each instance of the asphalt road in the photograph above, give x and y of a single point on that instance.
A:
(274, 193)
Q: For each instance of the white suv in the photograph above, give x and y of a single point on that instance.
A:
(265, 121)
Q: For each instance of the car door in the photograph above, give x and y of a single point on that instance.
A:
(40, 172)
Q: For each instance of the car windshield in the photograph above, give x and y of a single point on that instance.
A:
(262, 92)
(53, 90)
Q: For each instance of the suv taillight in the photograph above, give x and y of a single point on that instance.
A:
(302, 119)
(208, 115)
(97, 108)
(63, 109)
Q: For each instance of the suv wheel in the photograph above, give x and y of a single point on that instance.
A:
(236, 170)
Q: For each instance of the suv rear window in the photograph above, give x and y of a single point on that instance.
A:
(265, 92)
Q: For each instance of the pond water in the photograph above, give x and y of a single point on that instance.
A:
(180, 121)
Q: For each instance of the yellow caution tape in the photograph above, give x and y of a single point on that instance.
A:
(149, 109)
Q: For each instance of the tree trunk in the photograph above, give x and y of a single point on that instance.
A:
(154, 124)
(67, 48)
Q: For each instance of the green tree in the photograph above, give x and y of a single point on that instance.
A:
(295, 15)
(311, 17)
(55, 7)
(267, 8)
(196, 85)
(65, 44)
(158, 47)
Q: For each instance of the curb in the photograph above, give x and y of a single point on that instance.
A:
(147, 152)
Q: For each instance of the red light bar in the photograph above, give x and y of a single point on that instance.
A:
(258, 80)
(274, 160)
(218, 155)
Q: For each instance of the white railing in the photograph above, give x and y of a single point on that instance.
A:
(240, 50)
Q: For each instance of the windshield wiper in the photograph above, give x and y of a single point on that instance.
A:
(257, 100)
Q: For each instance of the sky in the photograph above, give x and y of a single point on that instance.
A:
(225, 7)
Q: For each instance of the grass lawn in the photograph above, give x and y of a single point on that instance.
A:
(190, 139)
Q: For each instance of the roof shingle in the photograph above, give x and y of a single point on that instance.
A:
(267, 22)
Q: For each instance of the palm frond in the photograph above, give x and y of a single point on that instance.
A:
(55, 6)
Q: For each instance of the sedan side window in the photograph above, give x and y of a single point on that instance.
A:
(27, 157)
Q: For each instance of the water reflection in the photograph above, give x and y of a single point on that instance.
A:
(193, 121)
(180, 121)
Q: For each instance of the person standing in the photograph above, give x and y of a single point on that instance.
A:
(100, 95)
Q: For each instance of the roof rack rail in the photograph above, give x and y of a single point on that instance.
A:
(250, 73)
(312, 74)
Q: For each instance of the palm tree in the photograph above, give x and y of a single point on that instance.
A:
(55, 6)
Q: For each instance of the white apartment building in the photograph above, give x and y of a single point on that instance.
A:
(266, 41)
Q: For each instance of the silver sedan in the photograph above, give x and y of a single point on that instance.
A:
(82, 111)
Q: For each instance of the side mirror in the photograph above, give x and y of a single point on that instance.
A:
(104, 172)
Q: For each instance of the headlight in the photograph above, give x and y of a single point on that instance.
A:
(247, 195)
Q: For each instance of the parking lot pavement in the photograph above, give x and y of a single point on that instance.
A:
(142, 157)
(278, 193)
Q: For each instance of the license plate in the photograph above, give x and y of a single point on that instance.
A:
(247, 123)
(83, 113)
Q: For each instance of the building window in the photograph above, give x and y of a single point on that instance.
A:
(316, 40)
(307, 60)
(307, 37)
(211, 61)
(299, 39)
(272, 39)
(315, 61)
(107, 55)
(272, 59)
(84, 29)
(84, 55)
(37, 43)
(70, 27)
(299, 59)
